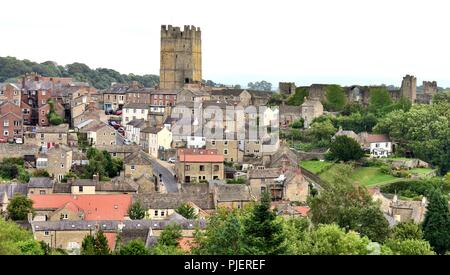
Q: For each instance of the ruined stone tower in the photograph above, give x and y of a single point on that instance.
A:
(430, 87)
(181, 56)
(409, 88)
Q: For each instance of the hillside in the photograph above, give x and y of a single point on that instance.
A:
(12, 68)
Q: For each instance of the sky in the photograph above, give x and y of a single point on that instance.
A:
(322, 41)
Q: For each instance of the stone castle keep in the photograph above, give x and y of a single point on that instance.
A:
(181, 57)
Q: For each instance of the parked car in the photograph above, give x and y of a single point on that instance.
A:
(114, 124)
(3, 140)
(126, 141)
(171, 160)
(19, 140)
(121, 130)
(118, 112)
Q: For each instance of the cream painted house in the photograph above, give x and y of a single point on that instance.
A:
(153, 139)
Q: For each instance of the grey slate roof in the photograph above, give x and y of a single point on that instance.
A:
(136, 122)
(138, 158)
(113, 225)
(12, 188)
(232, 192)
(84, 182)
(40, 183)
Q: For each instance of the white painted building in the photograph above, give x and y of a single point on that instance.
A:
(132, 111)
(379, 146)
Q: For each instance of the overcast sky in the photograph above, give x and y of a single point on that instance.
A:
(320, 41)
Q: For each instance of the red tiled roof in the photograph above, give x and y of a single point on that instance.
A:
(302, 210)
(111, 237)
(95, 207)
(199, 155)
(377, 138)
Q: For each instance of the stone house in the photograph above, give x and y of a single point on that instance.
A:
(89, 112)
(192, 95)
(69, 235)
(57, 161)
(57, 207)
(101, 134)
(114, 98)
(132, 111)
(120, 151)
(139, 94)
(232, 196)
(259, 98)
(137, 164)
(310, 110)
(238, 95)
(230, 149)
(40, 186)
(282, 184)
(289, 114)
(195, 165)
(48, 136)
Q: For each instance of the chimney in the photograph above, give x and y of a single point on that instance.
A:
(96, 177)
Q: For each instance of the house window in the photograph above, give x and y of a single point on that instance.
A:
(202, 167)
(213, 142)
(216, 168)
(6, 123)
(42, 136)
(60, 136)
(225, 151)
(62, 165)
(16, 123)
(43, 92)
(80, 189)
(132, 167)
(41, 192)
(162, 213)
(114, 154)
(64, 216)
(156, 212)
(5, 133)
(46, 233)
(187, 167)
(225, 142)
(215, 178)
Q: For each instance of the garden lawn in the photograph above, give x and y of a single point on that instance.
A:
(421, 170)
(367, 176)
(315, 166)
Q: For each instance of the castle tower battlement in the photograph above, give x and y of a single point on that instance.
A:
(430, 87)
(409, 88)
(181, 56)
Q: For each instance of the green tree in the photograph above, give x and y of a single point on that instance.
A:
(298, 123)
(335, 98)
(170, 235)
(134, 247)
(88, 245)
(41, 173)
(345, 148)
(15, 240)
(295, 230)
(409, 247)
(136, 211)
(263, 232)
(436, 225)
(19, 207)
(298, 97)
(101, 244)
(222, 236)
(332, 240)
(186, 211)
(379, 99)
(348, 205)
(407, 230)
(322, 131)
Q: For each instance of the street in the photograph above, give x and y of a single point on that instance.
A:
(167, 174)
